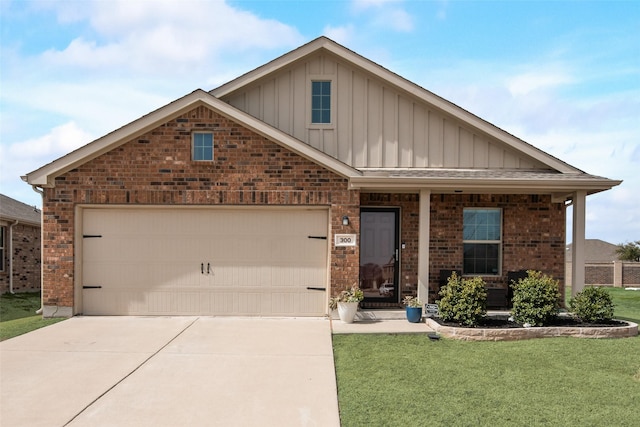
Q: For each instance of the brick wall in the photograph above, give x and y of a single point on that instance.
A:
(156, 169)
(533, 233)
(26, 259)
(598, 274)
(604, 274)
(630, 273)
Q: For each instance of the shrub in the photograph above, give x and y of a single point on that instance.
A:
(592, 305)
(463, 300)
(536, 299)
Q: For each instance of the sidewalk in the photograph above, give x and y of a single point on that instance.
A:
(379, 322)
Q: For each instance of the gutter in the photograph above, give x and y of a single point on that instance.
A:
(41, 193)
(11, 256)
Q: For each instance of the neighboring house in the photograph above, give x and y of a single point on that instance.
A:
(596, 251)
(602, 266)
(292, 182)
(19, 246)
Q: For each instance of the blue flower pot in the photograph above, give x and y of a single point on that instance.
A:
(414, 314)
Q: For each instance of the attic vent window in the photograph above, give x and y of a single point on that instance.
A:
(321, 101)
(202, 146)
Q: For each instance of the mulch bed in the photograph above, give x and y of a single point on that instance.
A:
(502, 322)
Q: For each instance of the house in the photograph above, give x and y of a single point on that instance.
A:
(292, 182)
(596, 251)
(19, 246)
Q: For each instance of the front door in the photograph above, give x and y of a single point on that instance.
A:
(379, 254)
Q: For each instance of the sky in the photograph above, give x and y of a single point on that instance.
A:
(562, 75)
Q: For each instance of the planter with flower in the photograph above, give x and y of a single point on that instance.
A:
(413, 308)
(347, 303)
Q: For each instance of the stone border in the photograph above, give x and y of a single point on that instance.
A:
(513, 334)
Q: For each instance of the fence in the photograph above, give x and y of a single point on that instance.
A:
(616, 273)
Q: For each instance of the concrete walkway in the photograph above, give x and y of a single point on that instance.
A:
(379, 322)
(170, 371)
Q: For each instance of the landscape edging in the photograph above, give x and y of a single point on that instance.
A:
(513, 334)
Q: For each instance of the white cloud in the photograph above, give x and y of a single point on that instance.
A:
(163, 37)
(397, 19)
(525, 83)
(341, 35)
(23, 157)
(387, 14)
(61, 140)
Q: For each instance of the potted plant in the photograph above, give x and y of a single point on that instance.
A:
(413, 308)
(347, 303)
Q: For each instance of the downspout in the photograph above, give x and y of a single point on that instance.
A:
(11, 256)
(41, 193)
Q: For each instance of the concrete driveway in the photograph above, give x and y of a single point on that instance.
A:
(170, 371)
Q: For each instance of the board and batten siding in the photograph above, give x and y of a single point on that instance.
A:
(374, 124)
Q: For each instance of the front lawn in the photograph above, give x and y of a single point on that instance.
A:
(408, 380)
(17, 314)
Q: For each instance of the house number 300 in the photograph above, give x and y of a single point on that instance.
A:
(345, 239)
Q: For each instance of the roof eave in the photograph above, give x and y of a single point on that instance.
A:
(471, 185)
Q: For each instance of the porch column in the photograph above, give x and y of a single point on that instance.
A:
(577, 253)
(423, 246)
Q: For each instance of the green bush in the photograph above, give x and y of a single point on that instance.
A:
(536, 299)
(592, 305)
(463, 300)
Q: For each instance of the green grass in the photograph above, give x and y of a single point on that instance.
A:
(388, 380)
(17, 314)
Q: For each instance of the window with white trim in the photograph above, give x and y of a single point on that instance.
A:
(482, 241)
(202, 146)
(321, 102)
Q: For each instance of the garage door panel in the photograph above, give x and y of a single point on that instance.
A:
(204, 261)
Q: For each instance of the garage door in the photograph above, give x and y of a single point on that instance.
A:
(263, 262)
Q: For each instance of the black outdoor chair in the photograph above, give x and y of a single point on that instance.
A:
(512, 278)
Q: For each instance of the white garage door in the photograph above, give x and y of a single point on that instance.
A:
(204, 262)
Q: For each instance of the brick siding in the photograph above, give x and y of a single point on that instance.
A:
(26, 259)
(533, 234)
(248, 169)
(156, 169)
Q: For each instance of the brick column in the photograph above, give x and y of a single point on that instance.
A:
(617, 274)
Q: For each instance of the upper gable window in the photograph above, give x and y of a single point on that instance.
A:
(202, 146)
(321, 102)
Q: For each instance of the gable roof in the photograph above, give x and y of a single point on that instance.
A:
(14, 210)
(45, 176)
(400, 83)
(559, 180)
